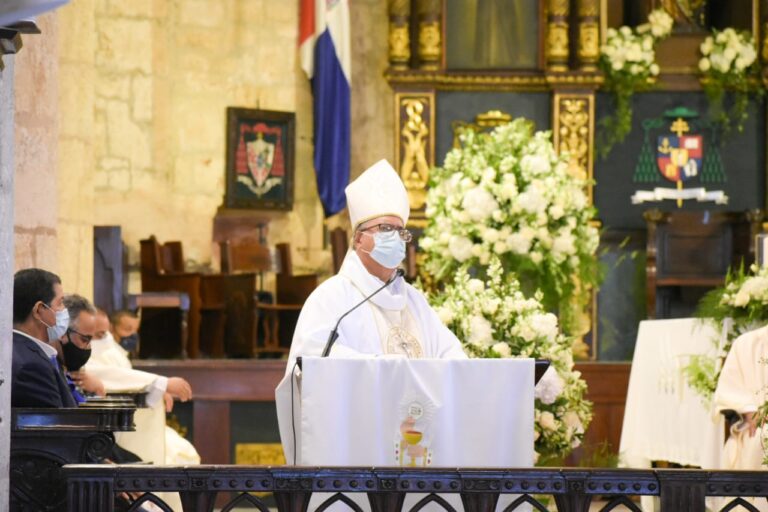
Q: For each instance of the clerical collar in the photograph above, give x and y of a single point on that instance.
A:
(393, 297)
(45, 347)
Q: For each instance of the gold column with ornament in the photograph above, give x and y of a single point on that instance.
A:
(574, 131)
(557, 42)
(399, 34)
(430, 34)
(415, 147)
(589, 34)
(573, 125)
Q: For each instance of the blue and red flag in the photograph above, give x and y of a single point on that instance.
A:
(325, 57)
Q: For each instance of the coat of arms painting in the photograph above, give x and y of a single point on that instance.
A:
(260, 151)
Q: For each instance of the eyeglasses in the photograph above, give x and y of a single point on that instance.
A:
(85, 337)
(405, 235)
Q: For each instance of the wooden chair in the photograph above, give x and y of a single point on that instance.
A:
(223, 305)
(339, 247)
(694, 250)
(168, 310)
(277, 319)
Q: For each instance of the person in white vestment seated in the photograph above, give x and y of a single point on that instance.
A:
(153, 441)
(395, 321)
(742, 388)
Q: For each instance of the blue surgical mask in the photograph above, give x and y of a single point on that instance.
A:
(388, 249)
(57, 330)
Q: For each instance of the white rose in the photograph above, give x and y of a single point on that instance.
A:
(532, 201)
(535, 164)
(491, 235)
(749, 55)
(556, 211)
(536, 257)
(518, 243)
(571, 420)
(500, 247)
(426, 243)
(445, 315)
(489, 174)
(479, 204)
(741, 299)
(490, 306)
(729, 53)
(460, 248)
(564, 244)
(549, 387)
(654, 69)
(480, 331)
(502, 349)
(706, 46)
(547, 421)
(545, 325)
(704, 65)
(475, 286)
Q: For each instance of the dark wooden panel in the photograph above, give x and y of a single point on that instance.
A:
(212, 431)
(248, 380)
(607, 389)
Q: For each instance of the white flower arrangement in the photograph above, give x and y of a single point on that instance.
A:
(628, 61)
(740, 306)
(495, 319)
(508, 194)
(729, 63)
(728, 51)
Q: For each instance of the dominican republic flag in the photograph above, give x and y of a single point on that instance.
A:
(325, 56)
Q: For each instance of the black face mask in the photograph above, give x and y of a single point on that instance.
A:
(74, 356)
(130, 343)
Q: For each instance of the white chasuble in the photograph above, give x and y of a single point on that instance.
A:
(398, 319)
(742, 388)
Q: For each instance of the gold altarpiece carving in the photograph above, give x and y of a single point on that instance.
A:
(568, 38)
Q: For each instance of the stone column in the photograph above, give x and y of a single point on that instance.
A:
(6, 267)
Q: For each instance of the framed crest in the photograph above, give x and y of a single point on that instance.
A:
(260, 159)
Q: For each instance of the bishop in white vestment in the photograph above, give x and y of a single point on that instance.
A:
(742, 388)
(398, 319)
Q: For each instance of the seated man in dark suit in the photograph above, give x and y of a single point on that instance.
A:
(39, 318)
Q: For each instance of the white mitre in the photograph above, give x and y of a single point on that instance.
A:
(377, 192)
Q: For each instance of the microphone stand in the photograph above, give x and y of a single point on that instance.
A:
(335, 332)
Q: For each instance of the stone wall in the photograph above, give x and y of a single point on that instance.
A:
(36, 148)
(142, 93)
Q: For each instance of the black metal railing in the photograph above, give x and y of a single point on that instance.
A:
(92, 488)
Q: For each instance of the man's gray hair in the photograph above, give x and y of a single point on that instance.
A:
(75, 305)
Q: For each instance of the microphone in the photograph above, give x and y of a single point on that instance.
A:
(335, 332)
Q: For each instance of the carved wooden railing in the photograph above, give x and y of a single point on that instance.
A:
(43, 440)
(91, 488)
